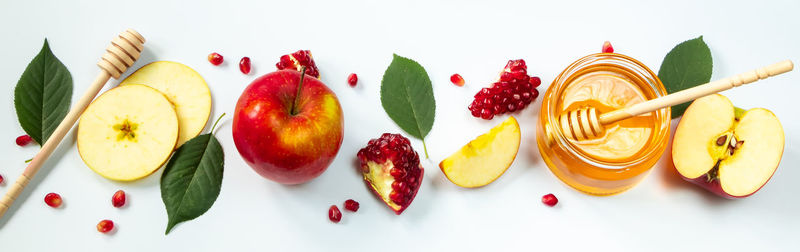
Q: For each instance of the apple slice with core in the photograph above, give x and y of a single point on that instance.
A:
(484, 159)
(184, 88)
(728, 151)
(128, 132)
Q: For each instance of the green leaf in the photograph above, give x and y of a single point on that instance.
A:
(192, 179)
(407, 96)
(42, 95)
(685, 66)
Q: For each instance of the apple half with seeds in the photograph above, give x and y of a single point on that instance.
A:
(184, 88)
(484, 159)
(727, 150)
(128, 132)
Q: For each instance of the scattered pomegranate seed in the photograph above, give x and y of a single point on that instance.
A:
(118, 200)
(351, 205)
(104, 226)
(1, 179)
(352, 79)
(24, 140)
(215, 59)
(457, 79)
(53, 200)
(244, 65)
(550, 200)
(334, 214)
(607, 48)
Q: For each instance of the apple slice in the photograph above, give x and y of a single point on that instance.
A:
(730, 152)
(128, 132)
(484, 159)
(184, 88)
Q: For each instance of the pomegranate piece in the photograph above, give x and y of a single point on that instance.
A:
(514, 91)
(607, 48)
(457, 80)
(244, 65)
(53, 200)
(297, 60)
(215, 59)
(104, 226)
(24, 140)
(118, 200)
(391, 169)
(352, 79)
(351, 205)
(550, 200)
(334, 214)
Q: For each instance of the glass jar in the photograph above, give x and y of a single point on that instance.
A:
(594, 166)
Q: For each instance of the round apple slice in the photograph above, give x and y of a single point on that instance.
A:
(484, 159)
(184, 88)
(128, 132)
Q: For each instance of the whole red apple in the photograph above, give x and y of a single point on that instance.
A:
(288, 140)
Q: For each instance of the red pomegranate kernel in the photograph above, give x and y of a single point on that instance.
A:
(514, 91)
(334, 214)
(352, 79)
(24, 140)
(1, 179)
(351, 205)
(215, 59)
(457, 80)
(105, 226)
(53, 200)
(607, 48)
(244, 65)
(118, 200)
(550, 200)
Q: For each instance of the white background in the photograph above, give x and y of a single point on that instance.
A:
(473, 38)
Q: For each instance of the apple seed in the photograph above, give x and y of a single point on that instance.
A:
(721, 140)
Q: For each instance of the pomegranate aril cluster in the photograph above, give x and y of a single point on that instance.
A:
(405, 161)
(513, 92)
(298, 59)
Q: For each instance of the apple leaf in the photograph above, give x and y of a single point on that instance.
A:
(192, 179)
(687, 65)
(407, 96)
(43, 94)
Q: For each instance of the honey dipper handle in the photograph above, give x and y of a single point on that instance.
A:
(697, 92)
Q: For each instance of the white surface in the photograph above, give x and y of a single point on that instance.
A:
(473, 38)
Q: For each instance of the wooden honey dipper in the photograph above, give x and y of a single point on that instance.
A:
(119, 56)
(586, 123)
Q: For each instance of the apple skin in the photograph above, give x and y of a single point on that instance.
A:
(286, 148)
(716, 188)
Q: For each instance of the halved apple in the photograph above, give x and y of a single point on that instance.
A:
(484, 159)
(184, 88)
(128, 132)
(728, 151)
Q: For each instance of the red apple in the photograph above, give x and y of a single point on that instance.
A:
(285, 144)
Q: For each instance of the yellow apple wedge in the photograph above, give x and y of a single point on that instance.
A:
(127, 133)
(184, 88)
(484, 159)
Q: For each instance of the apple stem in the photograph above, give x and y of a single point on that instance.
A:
(299, 88)
(425, 147)
(215, 123)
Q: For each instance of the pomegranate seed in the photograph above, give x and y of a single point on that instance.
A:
(104, 226)
(352, 79)
(53, 200)
(351, 205)
(118, 200)
(1, 179)
(215, 59)
(607, 48)
(457, 79)
(550, 200)
(244, 65)
(334, 214)
(24, 140)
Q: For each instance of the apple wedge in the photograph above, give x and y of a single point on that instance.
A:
(128, 132)
(484, 159)
(184, 88)
(728, 151)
